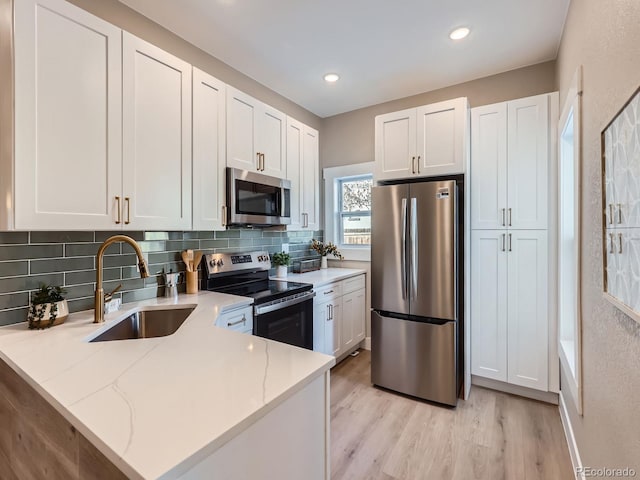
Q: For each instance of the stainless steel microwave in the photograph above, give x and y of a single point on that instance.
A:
(257, 200)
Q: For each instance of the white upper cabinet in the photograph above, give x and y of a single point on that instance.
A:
(510, 164)
(303, 173)
(255, 135)
(489, 166)
(442, 132)
(395, 145)
(156, 137)
(422, 142)
(209, 119)
(528, 158)
(68, 144)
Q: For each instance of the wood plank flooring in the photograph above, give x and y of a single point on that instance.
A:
(376, 434)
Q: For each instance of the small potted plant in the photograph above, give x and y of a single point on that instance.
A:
(48, 307)
(281, 260)
(325, 249)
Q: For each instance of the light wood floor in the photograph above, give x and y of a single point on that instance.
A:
(376, 434)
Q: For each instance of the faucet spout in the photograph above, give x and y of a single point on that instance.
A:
(99, 296)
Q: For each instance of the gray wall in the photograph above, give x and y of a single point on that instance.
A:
(605, 38)
(139, 25)
(349, 138)
(28, 259)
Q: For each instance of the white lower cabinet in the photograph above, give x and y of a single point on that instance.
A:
(339, 314)
(239, 319)
(509, 307)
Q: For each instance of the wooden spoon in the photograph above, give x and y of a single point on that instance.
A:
(198, 259)
(186, 260)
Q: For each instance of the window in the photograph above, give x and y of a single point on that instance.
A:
(569, 321)
(348, 209)
(354, 194)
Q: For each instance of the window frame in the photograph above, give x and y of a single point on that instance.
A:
(341, 213)
(333, 179)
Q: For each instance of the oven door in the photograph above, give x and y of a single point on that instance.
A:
(256, 199)
(288, 321)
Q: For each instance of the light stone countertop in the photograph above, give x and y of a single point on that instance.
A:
(157, 406)
(324, 276)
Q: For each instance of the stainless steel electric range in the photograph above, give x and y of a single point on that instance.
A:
(282, 311)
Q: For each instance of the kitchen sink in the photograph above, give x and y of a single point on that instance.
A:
(146, 324)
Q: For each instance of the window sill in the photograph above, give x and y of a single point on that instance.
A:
(357, 254)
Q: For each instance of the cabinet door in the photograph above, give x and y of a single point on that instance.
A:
(527, 313)
(359, 315)
(156, 136)
(242, 113)
(489, 166)
(271, 129)
(489, 304)
(68, 118)
(295, 156)
(321, 327)
(395, 140)
(348, 320)
(629, 253)
(209, 142)
(336, 320)
(441, 136)
(528, 154)
(311, 179)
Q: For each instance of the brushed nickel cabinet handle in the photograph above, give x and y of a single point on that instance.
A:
(504, 235)
(418, 162)
(611, 214)
(619, 243)
(509, 216)
(510, 242)
(619, 212)
(118, 207)
(259, 158)
(128, 202)
(263, 162)
(613, 242)
(327, 293)
(504, 212)
(413, 165)
(233, 324)
(224, 216)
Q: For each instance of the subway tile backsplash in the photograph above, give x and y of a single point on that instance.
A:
(28, 259)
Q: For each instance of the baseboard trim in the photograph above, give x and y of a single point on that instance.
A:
(366, 343)
(574, 453)
(548, 397)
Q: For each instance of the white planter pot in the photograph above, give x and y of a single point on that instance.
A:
(46, 315)
(323, 264)
(281, 271)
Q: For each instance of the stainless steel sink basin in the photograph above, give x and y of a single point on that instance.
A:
(146, 324)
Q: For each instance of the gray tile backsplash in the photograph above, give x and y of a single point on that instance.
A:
(28, 259)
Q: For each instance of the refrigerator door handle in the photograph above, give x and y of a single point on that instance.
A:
(413, 236)
(403, 262)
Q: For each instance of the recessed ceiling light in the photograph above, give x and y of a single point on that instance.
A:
(331, 77)
(459, 33)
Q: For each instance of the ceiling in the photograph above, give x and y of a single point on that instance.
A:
(382, 49)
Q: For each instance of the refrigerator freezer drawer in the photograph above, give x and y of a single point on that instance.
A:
(414, 358)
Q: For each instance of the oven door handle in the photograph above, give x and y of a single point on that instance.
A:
(259, 310)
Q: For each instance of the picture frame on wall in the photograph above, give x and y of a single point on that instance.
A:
(620, 143)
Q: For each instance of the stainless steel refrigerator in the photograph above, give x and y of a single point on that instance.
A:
(416, 289)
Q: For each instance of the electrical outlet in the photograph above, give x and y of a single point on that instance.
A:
(285, 247)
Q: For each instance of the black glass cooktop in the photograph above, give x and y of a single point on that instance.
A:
(264, 291)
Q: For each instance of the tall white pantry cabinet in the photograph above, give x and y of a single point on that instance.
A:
(512, 320)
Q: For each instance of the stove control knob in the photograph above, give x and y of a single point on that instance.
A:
(212, 263)
(220, 262)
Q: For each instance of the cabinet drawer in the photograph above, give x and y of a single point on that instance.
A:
(353, 284)
(240, 320)
(328, 291)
